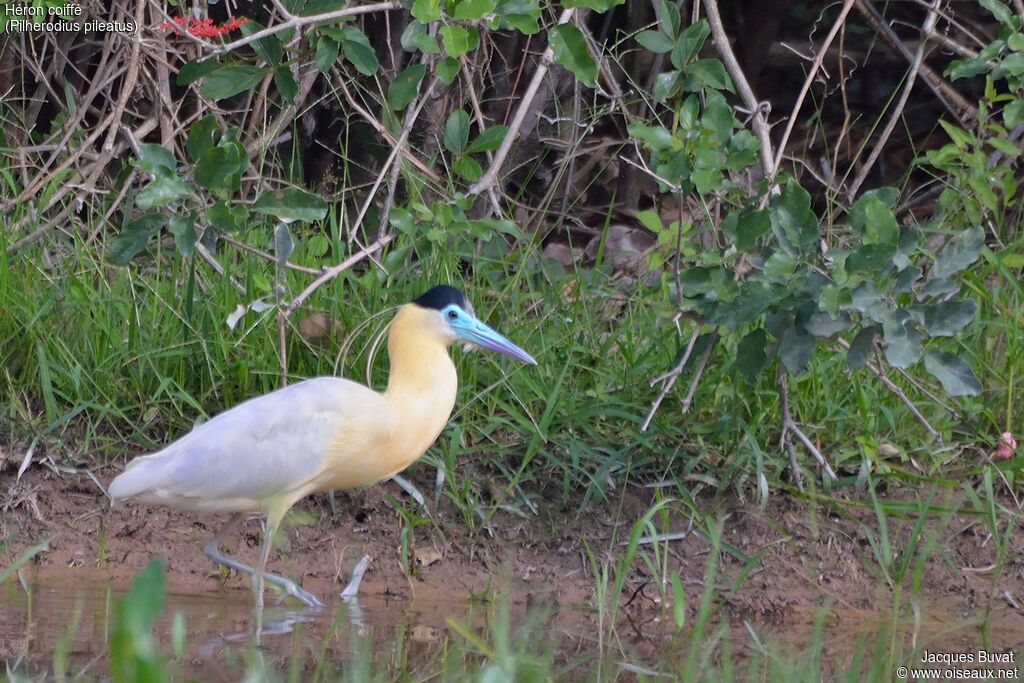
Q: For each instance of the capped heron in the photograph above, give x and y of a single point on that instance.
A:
(326, 433)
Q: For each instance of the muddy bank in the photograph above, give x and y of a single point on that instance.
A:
(808, 556)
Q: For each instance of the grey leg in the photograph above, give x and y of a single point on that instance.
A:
(351, 590)
(212, 550)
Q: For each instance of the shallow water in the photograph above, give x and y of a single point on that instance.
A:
(63, 624)
(74, 612)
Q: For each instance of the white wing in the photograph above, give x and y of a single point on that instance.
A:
(258, 450)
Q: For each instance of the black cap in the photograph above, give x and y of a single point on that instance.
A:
(440, 296)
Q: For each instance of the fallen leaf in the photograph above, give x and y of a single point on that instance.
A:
(1005, 448)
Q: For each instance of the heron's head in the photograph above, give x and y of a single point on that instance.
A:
(450, 315)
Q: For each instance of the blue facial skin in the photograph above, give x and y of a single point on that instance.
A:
(472, 330)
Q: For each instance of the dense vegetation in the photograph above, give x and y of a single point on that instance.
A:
(753, 250)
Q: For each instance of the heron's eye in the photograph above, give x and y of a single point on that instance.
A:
(452, 315)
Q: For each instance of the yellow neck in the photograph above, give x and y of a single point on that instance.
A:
(422, 383)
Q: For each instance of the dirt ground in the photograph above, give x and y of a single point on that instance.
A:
(809, 555)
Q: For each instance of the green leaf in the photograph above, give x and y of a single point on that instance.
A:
(467, 168)
(154, 157)
(1000, 11)
(961, 138)
(795, 349)
(527, 24)
(751, 358)
(907, 278)
(326, 53)
(426, 44)
(656, 137)
(871, 258)
(194, 70)
(959, 252)
(690, 43)
(134, 237)
(456, 132)
(967, 68)
(874, 220)
(570, 51)
(946, 318)
(358, 50)
(202, 136)
(426, 11)
(953, 373)
(939, 286)
(1013, 114)
(228, 218)
(228, 81)
(667, 85)
(269, 48)
(823, 325)
(902, 339)
(133, 653)
(751, 225)
(447, 70)
(655, 41)
(284, 244)
(668, 14)
(600, 6)
(794, 222)
(286, 85)
(459, 40)
(779, 266)
(413, 30)
(707, 73)
(162, 191)
(291, 204)
(471, 10)
(489, 140)
(182, 226)
(1011, 259)
(402, 90)
(861, 348)
(220, 168)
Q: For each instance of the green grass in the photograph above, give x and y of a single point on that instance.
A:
(102, 362)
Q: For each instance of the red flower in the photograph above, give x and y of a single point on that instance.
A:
(204, 28)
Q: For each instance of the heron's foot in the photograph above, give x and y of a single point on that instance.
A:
(351, 590)
(293, 589)
(212, 551)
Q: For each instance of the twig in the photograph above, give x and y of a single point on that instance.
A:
(295, 22)
(811, 75)
(697, 374)
(334, 271)
(282, 346)
(546, 59)
(878, 372)
(410, 120)
(897, 112)
(205, 254)
(759, 120)
(381, 129)
(93, 170)
(268, 257)
(794, 466)
(953, 101)
(790, 425)
(670, 379)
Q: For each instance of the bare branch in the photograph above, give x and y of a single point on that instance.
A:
(811, 75)
(759, 120)
(489, 178)
(897, 112)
